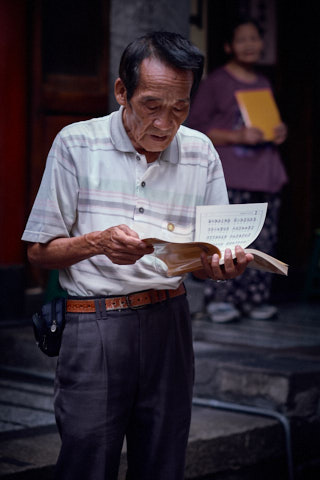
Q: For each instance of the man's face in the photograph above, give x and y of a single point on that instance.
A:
(159, 105)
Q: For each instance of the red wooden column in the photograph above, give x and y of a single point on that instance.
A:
(13, 127)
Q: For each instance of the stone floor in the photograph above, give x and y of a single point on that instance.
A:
(234, 363)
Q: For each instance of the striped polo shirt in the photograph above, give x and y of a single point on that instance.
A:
(95, 179)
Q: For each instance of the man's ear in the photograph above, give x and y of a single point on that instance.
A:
(120, 92)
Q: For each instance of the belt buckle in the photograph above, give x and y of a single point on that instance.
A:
(132, 307)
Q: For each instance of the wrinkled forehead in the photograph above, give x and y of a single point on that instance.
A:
(156, 75)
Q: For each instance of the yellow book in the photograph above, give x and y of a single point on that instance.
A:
(259, 109)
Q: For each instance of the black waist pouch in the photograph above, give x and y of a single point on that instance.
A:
(48, 326)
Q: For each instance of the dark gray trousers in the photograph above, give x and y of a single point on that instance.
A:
(125, 374)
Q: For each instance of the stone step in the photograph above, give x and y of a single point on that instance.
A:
(18, 348)
(26, 400)
(222, 445)
(29, 441)
(268, 365)
(283, 382)
(267, 377)
(223, 442)
(295, 328)
(219, 441)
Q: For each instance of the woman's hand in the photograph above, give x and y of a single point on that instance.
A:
(280, 134)
(249, 136)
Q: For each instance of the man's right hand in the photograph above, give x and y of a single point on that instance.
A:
(120, 244)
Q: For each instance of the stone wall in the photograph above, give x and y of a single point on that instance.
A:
(129, 20)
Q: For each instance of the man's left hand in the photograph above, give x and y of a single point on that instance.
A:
(231, 268)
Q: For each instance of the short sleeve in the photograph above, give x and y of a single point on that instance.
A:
(54, 209)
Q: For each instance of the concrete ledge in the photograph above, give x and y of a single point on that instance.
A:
(224, 441)
(266, 364)
(218, 441)
(18, 348)
(261, 378)
(28, 452)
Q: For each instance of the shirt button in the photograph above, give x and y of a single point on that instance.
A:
(170, 227)
(141, 209)
(143, 184)
(137, 158)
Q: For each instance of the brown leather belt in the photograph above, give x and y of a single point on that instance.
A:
(132, 300)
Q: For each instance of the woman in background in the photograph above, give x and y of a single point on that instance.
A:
(253, 168)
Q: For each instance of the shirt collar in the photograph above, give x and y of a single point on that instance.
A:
(122, 142)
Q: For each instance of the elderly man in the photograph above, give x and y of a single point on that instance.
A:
(125, 368)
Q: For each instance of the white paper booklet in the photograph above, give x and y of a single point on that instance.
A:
(226, 226)
(219, 227)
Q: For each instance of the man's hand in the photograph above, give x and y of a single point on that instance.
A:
(121, 245)
(230, 269)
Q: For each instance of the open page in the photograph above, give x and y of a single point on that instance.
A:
(181, 258)
(217, 227)
(226, 226)
(267, 263)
